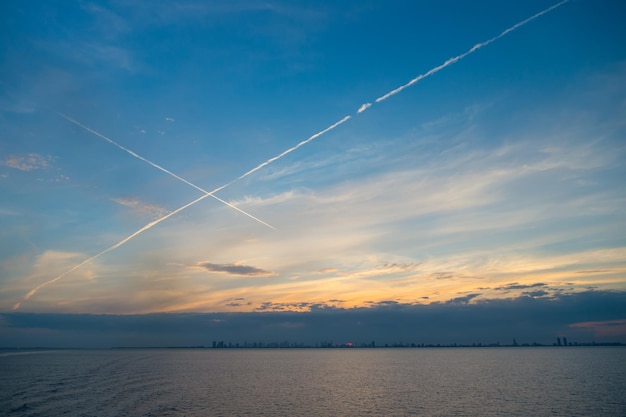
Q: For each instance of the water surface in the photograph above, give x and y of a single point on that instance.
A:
(577, 381)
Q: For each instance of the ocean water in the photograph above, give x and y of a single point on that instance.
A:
(567, 381)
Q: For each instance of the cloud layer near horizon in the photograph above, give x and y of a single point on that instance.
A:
(582, 317)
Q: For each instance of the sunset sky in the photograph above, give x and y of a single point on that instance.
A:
(500, 175)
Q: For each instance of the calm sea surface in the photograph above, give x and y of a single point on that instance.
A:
(576, 381)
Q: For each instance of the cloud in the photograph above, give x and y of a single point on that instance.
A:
(584, 317)
(459, 181)
(29, 162)
(539, 293)
(300, 306)
(398, 267)
(127, 201)
(93, 54)
(139, 207)
(516, 286)
(463, 300)
(59, 178)
(169, 119)
(235, 269)
(237, 304)
(40, 268)
(109, 24)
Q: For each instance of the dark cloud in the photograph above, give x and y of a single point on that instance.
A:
(234, 269)
(238, 302)
(463, 300)
(584, 317)
(300, 306)
(539, 293)
(386, 303)
(516, 286)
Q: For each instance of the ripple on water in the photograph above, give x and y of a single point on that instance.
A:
(367, 382)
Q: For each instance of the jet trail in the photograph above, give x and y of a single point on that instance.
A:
(170, 214)
(111, 141)
(463, 55)
(109, 249)
(364, 107)
(269, 161)
(304, 142)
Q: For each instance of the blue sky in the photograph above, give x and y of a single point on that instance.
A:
(499, 176)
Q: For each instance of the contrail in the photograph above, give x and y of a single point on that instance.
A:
(157, 166)
(463, 55)
(304, 142)
(269, 161)
(364, 107)
(109, 249)
(170, 214)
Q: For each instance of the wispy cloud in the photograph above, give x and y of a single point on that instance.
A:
(109, 24)
(93, 54)
(28, 162)
(42, 265)
(140, 207)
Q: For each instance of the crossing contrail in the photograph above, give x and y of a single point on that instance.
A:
(304, 142)
(170, 214)
(159, 167)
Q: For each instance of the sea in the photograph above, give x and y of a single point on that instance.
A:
(497, 381)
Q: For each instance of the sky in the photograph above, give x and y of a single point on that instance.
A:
(243, 166)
